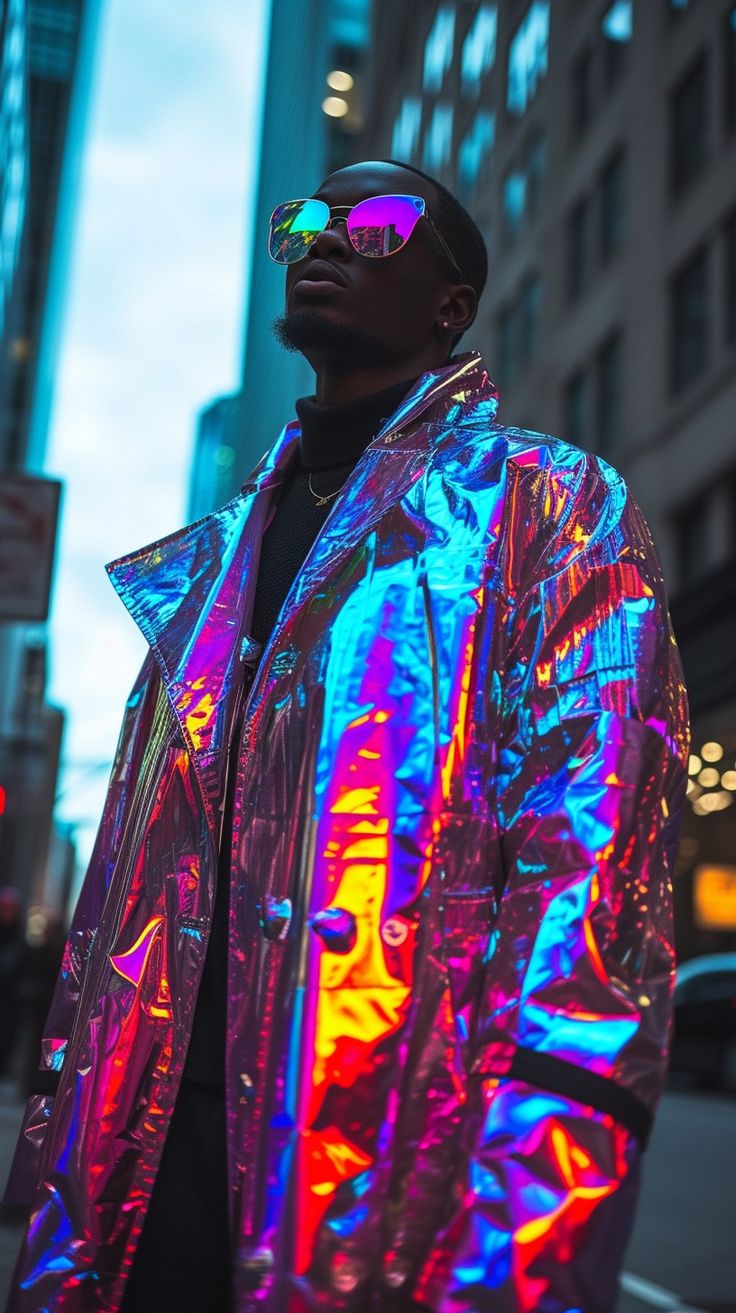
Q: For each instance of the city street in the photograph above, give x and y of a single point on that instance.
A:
(682, 1258)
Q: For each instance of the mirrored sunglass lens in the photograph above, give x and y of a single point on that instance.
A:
(381, 225)
(294, 227)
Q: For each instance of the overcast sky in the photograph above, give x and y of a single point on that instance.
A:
(152, 330)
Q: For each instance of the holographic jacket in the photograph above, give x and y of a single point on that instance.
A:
(456, 804)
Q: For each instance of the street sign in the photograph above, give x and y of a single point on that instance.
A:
(29, 512)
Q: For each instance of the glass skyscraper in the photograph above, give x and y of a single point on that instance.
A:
(47, 53)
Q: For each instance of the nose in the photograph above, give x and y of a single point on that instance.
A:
(332, 241)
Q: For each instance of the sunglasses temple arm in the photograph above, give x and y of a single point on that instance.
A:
(443, 244)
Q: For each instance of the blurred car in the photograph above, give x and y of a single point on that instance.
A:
(704, 1040)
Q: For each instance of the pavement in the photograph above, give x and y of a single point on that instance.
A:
(682, 1256)
(11, 1228)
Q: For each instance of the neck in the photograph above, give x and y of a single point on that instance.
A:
(338, 384)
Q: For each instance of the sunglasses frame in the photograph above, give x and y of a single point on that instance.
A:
(339, 214)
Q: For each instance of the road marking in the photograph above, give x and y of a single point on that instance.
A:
(655, 1295)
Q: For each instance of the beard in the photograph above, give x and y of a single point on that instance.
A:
(307, 332)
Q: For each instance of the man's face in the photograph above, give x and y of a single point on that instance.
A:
(373, 309)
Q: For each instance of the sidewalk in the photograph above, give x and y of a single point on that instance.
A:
(11, 1228)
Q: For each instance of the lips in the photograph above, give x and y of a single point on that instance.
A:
(321, 271)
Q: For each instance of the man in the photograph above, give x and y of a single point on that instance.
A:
(442, 770)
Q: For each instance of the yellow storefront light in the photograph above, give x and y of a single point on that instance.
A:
(713, 802)
(709, 777)
(711, 751)
(728, 779)
(695, 764)
(714, 897)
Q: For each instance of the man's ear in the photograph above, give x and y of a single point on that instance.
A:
(458, 308)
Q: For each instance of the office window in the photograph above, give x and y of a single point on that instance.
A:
(529, 302)
(513, 202)
(582, 92)
(612, 206)
(527, 59)
(608, 394)
(617, 23)
(689, 125)
(522, 186)
(405, 135)
(438, 48)
(13, 145)
(52, 40)
(617, 28)
(475, 151)
(438, 138)
(578, 249)
(728, 46)
(479, 50)
(577, 405)
(689, 321)
(729, 234)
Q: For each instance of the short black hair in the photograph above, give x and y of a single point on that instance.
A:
(460, 231)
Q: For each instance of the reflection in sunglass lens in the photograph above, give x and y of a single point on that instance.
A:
(294, 227)
(381, 225)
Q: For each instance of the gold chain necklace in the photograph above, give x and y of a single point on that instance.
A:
(321, 499)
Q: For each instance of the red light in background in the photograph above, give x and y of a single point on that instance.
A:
(2, 800)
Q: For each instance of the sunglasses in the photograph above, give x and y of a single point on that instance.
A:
(377, 227)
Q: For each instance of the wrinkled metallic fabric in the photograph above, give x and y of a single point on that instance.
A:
(450, 962)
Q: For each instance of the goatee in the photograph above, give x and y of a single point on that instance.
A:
(307, 330)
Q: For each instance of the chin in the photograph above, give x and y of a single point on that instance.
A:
(308, 331)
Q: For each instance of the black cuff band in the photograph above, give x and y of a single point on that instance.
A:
(561, 1077)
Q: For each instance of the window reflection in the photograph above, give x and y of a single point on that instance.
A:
(475, 151)
(528, 57)
(438, 138)
(438, 48)
(405, 136)
(13, 146)
(618, 21)
(479, 49)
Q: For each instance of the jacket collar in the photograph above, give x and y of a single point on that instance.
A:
(192, 593)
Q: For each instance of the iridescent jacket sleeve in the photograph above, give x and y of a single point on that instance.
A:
(572, 1036)
(24, 1171)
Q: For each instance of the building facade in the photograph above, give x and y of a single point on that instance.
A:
(46, 56)
(594, 144)
(215, 442)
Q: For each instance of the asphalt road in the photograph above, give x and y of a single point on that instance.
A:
(682, 1256)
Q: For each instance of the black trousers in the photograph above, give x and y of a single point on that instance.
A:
(183, 1263)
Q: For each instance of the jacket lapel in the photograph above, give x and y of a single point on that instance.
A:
(394, 460)
(192, 594)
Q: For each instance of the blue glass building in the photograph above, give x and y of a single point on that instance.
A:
(310, 125)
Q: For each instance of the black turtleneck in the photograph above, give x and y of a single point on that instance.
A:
(332, 440)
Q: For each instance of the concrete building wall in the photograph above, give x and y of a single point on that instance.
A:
(659, 433)
(606, 81)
